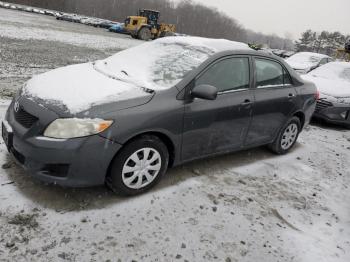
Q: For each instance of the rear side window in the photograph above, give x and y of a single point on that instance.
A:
(286, 78)
(268, 73)
(228, 74)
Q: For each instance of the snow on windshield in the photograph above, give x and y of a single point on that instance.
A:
(163, 63)
(334, 70)
(176, 62)
(345, 74)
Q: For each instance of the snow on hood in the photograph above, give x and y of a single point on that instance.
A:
(155, 65)
(76, 88)
(163, 63)
(332, 79)
(304, 60)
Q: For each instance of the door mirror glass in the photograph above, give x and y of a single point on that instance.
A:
(206, 92)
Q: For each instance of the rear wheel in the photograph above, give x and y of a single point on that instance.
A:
(139, 166)
(145, 34)
(287, 137)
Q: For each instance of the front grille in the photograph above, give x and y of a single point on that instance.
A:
(24, 118)
(322, 104)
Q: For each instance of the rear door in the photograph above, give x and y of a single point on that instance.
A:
(274, 100)
(219, 125)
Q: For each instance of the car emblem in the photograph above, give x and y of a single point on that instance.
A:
(16, 106)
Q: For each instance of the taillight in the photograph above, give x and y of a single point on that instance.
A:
(317, 94)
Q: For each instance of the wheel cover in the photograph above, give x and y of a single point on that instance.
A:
(289, 136)
(141, 168)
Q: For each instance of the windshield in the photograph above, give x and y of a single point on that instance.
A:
(345, 74)
(163, 63)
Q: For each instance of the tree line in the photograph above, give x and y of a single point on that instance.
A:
(190, 17)
(325, 42)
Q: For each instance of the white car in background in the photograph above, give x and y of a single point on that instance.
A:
(304, 62)
(333, 82)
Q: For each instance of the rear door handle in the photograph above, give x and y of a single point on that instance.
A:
(291, 95)
(246, 102)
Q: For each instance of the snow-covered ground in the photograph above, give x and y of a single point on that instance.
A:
(246, 206)
(32, 44)
(26, 26)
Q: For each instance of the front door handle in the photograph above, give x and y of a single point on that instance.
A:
(291, 95)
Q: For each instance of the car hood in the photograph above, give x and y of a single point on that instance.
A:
(336, 88)
(79, 89)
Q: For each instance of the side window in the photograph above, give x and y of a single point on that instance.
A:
(286, 78)
(268, 73)
(228, 74)
(324, 61)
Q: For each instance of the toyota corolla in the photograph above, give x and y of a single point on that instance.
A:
(125, 120)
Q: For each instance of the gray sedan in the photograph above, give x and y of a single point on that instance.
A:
(125, 120)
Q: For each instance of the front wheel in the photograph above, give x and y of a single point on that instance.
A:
(145, 34)
(138, 166)
(287, 137)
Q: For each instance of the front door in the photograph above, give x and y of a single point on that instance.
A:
(219, 125)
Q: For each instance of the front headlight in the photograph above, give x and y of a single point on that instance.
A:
(64, 128)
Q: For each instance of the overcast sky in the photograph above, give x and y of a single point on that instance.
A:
(287, 16)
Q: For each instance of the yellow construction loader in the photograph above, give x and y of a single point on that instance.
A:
(344, 53)
(145, 26)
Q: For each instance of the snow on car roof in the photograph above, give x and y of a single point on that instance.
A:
(162, 63)
(309, 54)
(305, 60)
(306, 57)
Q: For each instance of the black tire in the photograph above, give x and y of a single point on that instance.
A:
(115, 177)
(167, 34)
(276, 146)
(144, 34)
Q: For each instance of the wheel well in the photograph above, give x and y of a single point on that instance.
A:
(164, 138)
(301, 117)
(168, 142)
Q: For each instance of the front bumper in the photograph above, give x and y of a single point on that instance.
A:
(333, 113)
(78, 162)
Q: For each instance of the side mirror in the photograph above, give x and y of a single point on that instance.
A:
(206, 92)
